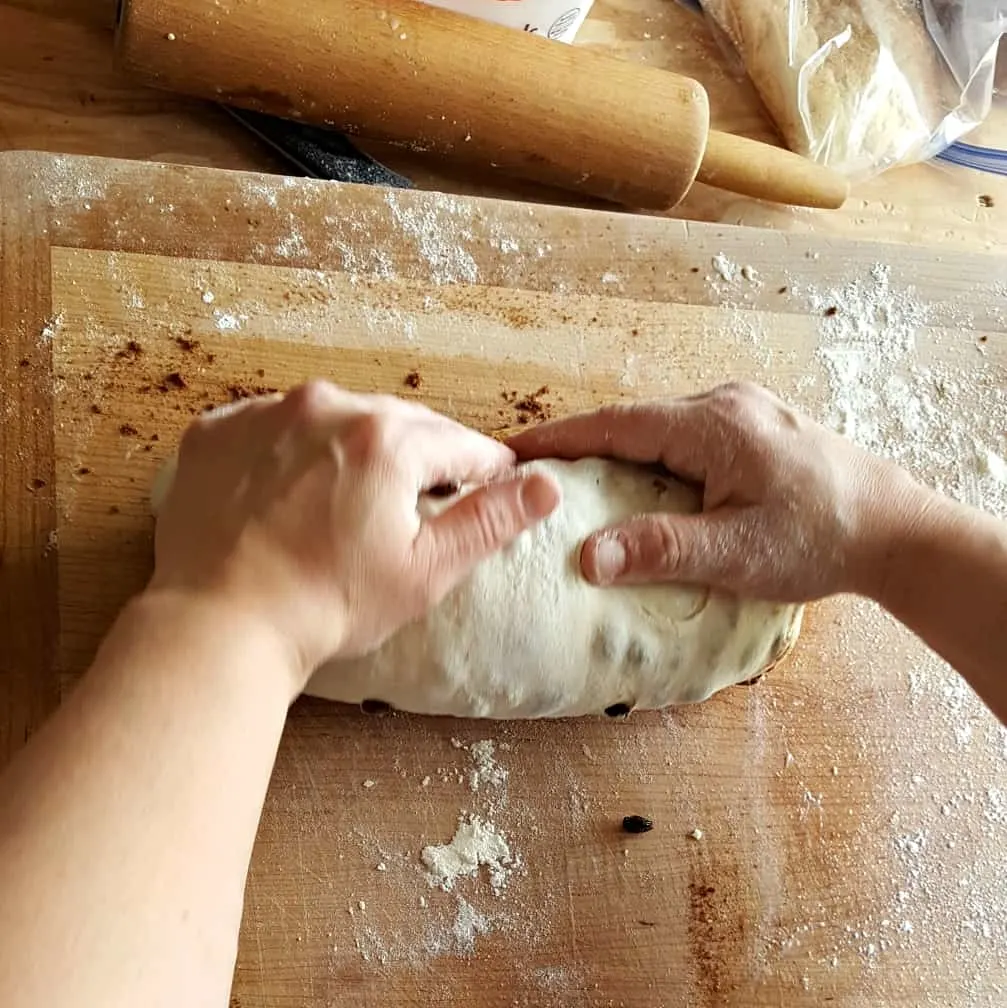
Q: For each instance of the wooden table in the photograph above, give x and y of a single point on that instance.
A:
(851, 803)
(59, 92)
(846, 858)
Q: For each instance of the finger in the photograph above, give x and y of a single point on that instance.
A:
(225, 433)
(481, 523)
(672, 432)
(721, 549)
(245, 413)
(438, 449)
(310, 417)
(441, 451)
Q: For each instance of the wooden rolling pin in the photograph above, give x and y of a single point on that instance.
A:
(412, 74)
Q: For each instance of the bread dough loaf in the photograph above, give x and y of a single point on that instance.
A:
(527, 637)
(854, 84)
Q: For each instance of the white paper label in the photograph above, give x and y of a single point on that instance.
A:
(553, 19)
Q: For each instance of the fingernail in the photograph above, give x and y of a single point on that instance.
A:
(539, 496)
(609, 558)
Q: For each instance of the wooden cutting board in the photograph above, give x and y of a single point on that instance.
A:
(851, 806)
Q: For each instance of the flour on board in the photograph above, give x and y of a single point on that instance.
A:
(908, 378)
(884, 399)
(452, 934)
(486, 771)
(50, 328)
(476, 843)
(732, 278)
(437, 223)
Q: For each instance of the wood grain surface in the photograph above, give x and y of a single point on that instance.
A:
(851, 805)
(59, 92)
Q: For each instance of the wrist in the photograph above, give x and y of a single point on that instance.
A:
(208, 635)
(900, 517)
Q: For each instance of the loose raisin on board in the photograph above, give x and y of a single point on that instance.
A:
(618, 710)
(637, 824)
(412, 380)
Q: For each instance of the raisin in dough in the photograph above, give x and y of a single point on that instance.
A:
(527, 637)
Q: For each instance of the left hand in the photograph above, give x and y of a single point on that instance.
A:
(301, 512)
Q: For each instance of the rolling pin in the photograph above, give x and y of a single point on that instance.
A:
(431, 79)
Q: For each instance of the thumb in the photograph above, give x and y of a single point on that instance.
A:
(481, 523)
(694, 549)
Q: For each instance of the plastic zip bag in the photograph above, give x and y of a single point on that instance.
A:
(863, 85)
(986, 159)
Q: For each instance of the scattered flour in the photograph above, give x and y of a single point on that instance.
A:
(434, 223)
(469, 923)
(942, 420)
(884, 399)
(260, 189)
(50, 328)
(440, 935)
(908, 377)
(731, 279)
(502, 240)
(358, 263)
(227, 321)
(486, 772)
(476, 843)
(912, 843)
(736, 288)
(725, 268)
(293, 246)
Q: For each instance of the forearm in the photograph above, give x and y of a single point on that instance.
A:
(126, 826)
(945, 578)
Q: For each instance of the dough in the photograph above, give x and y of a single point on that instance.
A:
(527, 637)
(854, 84)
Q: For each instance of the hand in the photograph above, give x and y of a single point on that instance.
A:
(301, 512)
(791, 511)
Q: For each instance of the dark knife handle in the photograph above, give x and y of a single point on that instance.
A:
(318, 152)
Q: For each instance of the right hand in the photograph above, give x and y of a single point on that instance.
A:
(791, 511)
